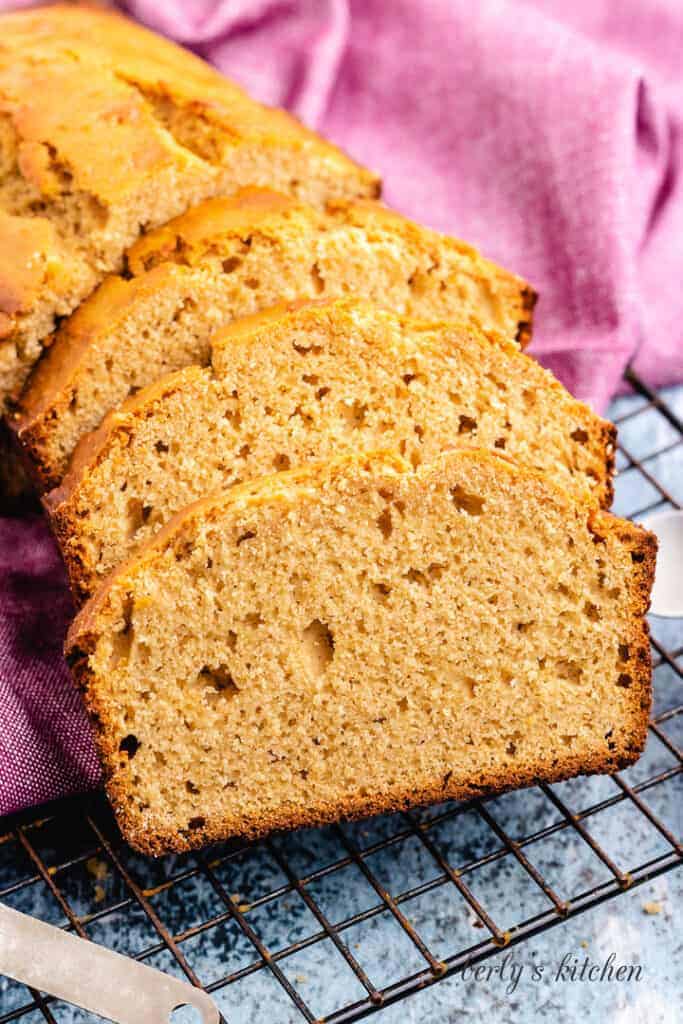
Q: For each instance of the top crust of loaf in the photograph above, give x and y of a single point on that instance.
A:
(129, 131)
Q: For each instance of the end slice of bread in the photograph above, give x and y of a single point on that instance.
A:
(355, 637)
(310, 381)
(233, 257)
(107, 129)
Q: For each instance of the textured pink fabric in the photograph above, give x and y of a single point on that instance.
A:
(547, 133)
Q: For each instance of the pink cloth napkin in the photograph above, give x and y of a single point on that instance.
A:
(547, 133)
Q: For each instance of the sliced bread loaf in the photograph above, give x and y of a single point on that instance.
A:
(354, 638)
(231, 257)
(307, 381)
(107, 129)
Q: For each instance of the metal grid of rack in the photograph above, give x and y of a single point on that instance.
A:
(251, 924)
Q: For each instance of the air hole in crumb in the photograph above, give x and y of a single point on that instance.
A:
(499, 442)
(231, 265)
(305, 417)
(464, 501)
(138, 515)
(403, 704)
(248, 535)
(511, 749)
(234, 417)
(381, 590)
(190, 787)
(282, 462)
(408, 378)
(591, 611)
(637, 556)
(385, 524)
(129, 745)
(122, 642)
(317, 279)
(614, 593)
(470, 686)
(416, 576)
(186, 305)
(624, 680)
(434, 571)
(198, 822)
(569, 670)
(568, 740)
(219, 680)
(624, 652)
(317, 646)
(183, 549)
(466, 425)
(321, 392)
(354, 413)
(579, 435)
(254, 620)
(161, 447)
(252, 282)
(303, 350)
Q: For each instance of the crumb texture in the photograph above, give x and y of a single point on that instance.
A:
(309, 382)
(229, 258)
(355, 637)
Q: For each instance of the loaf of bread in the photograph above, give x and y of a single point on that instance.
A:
(105, 130)
(353, 638)
(230, 257)
(308, 381)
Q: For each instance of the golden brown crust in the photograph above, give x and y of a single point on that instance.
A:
(188, 238)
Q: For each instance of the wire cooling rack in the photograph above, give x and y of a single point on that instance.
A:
(299, 927)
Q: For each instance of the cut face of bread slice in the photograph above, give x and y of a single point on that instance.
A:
(105, 130)
(308, 382)
(354, 638)
(232, 257)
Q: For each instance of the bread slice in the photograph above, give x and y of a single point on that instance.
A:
(107, 129)
(231, 257)
(353, 638)
(312, 380)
